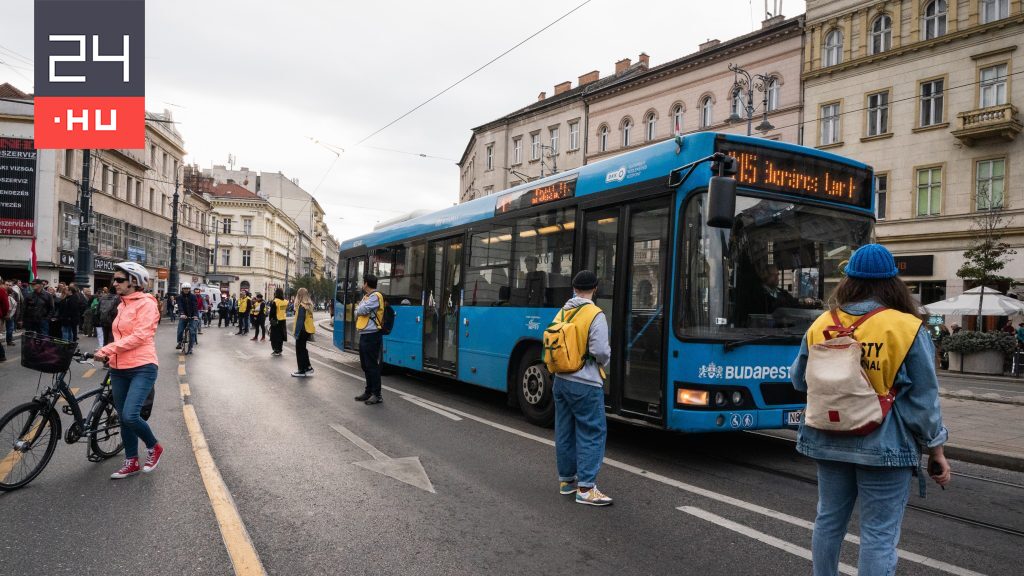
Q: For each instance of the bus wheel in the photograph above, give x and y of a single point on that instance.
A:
(533, 388)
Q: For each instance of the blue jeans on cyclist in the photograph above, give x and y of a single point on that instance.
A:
(130, 388)
(182, 323)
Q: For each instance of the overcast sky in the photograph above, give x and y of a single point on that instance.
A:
(259, 78)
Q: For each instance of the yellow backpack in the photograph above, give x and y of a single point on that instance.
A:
(566, 338)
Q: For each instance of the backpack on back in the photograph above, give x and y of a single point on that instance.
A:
(566, 338)
(840, 397)
(385, 315)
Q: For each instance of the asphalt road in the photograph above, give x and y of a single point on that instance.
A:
(306, 465)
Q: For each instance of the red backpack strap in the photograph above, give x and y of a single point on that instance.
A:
(866, 316)
(837, 325)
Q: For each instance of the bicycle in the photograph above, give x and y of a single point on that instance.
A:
(188, 333)
(29, 433)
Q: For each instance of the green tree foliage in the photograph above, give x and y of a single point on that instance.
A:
(987, 255)
(320, 289)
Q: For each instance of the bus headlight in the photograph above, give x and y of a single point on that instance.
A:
(719, 399)
(691, 397)
(737, 398)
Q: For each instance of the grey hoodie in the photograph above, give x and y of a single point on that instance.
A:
(597, 346)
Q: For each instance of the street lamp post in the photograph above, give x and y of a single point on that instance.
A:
(83, 265)
(763, 84)
(172, 280)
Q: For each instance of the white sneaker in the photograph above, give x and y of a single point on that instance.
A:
(299, 374)
(593, 497)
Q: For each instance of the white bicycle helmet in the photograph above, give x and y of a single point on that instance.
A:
(135, 271)
(184, 286)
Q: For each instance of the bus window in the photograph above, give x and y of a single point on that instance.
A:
(769, 274)
(542, 262)
(487, 273)
(407, 275)
(380, 266)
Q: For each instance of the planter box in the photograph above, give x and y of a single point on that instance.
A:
(987, 362)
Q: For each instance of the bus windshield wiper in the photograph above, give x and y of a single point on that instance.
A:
(733, 344)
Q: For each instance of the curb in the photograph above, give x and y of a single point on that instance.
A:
(992, 459)
(991, 397)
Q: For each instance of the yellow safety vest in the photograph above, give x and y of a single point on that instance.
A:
(243, 304)
(281, 308)
(363, 321)
(885, 339)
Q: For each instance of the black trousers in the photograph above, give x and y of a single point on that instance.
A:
(276, 335)
(301, 354)
(369, 358)
(259, 323)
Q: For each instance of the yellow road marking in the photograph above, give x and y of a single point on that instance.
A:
(88, 373)
(74, 392)
(9, 461)
(181, 369)
(243, 555)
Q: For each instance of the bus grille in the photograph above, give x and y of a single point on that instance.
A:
(777, 393)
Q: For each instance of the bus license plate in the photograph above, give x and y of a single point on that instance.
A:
(794, 417)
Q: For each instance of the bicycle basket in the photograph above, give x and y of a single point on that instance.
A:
(45, 353)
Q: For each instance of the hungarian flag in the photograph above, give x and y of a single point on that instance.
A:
(32, 261)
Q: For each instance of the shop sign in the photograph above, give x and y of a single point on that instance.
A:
(17, 187)
(915, 265)
(68, 260)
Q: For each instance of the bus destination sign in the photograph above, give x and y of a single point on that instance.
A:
(789, 173)
(521, 199)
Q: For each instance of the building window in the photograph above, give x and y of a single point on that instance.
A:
(933, 24)
(152, 196)
(225, 226)
(739, 103)
(881, 194)
(878, 113)
(677, 119)
(989, 188)
(535, 146)
(774, 87)
(129, 190)
(992, 10)
(881, 35)
(553, 139)
(69, 163)
(650, 126)
(175, 168)
(225, 256)
(152, 156)
(247, 226)
(993, 86)
(517, 150)
(931, 102)
(627, 127)
(706, 112)
(929, 191)
(829, 124)
(246, 257)
(833, 48)
(602, 138)
(163, 204)
(574, 135)
(163, 168)
(138, 194)
(490, 157)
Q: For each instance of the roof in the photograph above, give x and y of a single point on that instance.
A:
(8, 91)
(234, 191)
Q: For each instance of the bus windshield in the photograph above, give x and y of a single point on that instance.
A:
(767, 277)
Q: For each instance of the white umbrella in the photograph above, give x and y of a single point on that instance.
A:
(979, 301)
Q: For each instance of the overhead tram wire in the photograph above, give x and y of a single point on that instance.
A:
(473, 73)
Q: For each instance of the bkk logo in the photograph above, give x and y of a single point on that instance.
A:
(615, 175)
(90, 74)
(712, 370)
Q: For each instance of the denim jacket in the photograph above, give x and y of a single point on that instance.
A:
(914, 421)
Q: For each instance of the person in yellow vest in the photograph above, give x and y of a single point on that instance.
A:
(369, 319)
(258, 312)
(277, 314)
(243, 313)
(896, 354)
(304, 328)
(580, 424)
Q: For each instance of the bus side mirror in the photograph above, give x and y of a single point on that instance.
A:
(721, 202)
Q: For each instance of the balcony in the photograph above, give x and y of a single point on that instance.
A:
(993, 123)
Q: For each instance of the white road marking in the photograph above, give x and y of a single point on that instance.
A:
(419, 402)
(787, 518)
(407, 469)
(759, 536)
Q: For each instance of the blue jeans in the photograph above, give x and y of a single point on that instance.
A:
(10, 331)
(130, 388)
(182, 323)
(580, 431)
(68, 333)
(883, 494)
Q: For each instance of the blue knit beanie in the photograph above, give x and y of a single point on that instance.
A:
(872, 261)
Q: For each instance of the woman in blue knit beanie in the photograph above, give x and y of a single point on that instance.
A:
(874, 467)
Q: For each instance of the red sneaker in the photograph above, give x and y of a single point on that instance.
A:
(154, 458)
(130, 468)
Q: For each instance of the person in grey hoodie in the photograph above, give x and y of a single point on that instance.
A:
(368, 318)
(580, 424)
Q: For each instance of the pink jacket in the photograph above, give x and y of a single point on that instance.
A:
(134, 343)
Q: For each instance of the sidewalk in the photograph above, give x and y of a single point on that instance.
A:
(984, 428)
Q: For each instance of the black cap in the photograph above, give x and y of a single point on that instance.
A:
(584, 280)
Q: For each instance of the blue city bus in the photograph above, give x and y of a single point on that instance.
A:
(707, 291)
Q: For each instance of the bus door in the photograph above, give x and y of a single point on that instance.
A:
(353, 294)
(442, 295)
(627, 247)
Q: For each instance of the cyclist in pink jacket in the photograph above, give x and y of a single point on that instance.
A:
(133, 364)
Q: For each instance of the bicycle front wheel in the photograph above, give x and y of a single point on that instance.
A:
(105, 425)
(28, 436)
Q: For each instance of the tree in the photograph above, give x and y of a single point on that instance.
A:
(987, 255)
(320, 289)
